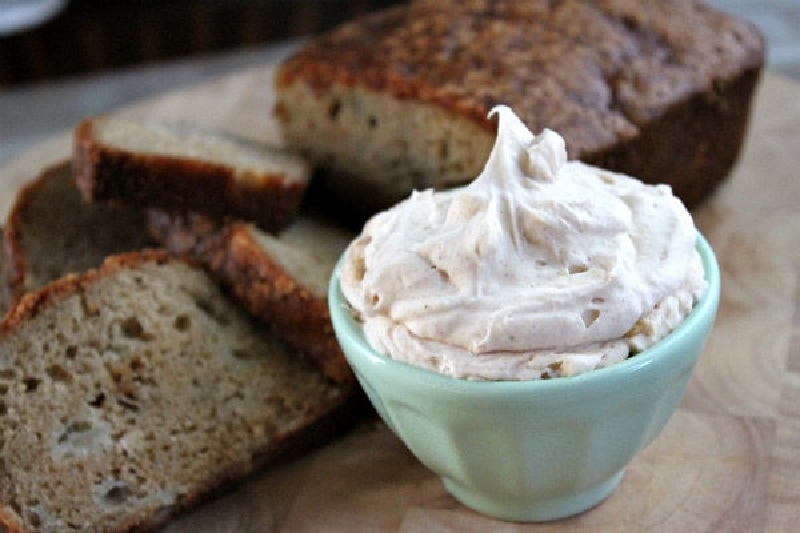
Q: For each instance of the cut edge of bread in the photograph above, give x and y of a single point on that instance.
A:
(182, 167)
(51, 231)
(340, 95)
(256, 269)
(320, 416)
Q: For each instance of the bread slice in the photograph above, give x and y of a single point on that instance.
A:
(186, 168)
(51, 231)
(281, 279)
(398, 99)
(4, 296)
(130, 391)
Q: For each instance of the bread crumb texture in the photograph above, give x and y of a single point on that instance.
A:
(125, 394)
(594, 68)
(52, 231)
(399, 99)
(251, 160)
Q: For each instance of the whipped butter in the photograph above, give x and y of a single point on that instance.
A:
(541, 267)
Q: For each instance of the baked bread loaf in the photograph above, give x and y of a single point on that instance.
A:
(51, 231)
(130, 391)
(185, 168)
(398, 99)
(280, 279)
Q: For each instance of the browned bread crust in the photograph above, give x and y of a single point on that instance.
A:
(51, 231)
(29, 305)
(138, 178)
(278, 403)
(235, 255)
(658, 89)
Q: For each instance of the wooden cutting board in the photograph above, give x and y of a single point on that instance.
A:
(729, 460)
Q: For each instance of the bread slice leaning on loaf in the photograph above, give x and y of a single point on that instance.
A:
(398, 99)
(130, 391)
(281, 279)
(187, 168)
(51, 232)
(4, 296)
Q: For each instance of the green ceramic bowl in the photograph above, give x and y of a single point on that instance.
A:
(532, 450)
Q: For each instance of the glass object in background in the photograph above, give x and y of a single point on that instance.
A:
(20, 15)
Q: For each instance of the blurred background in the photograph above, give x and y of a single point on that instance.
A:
(61, 60)
(50, 39)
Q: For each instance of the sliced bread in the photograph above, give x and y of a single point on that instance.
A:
(281, 279)
(51, 231)
(187, 168)
(4, 296)
(130, 391)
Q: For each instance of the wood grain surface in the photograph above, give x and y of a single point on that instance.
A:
(729, 460)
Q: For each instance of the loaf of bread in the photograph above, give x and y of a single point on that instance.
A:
(186, 168)
(51, 231)
(398, 99)
(281, 279)
(128, 392)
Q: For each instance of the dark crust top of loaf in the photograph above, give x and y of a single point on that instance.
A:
(231, 252)
(595, 71)
(112, 175)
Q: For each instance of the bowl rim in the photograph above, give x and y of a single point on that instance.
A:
(345, 324)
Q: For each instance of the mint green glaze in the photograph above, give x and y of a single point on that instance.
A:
(532, 450)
